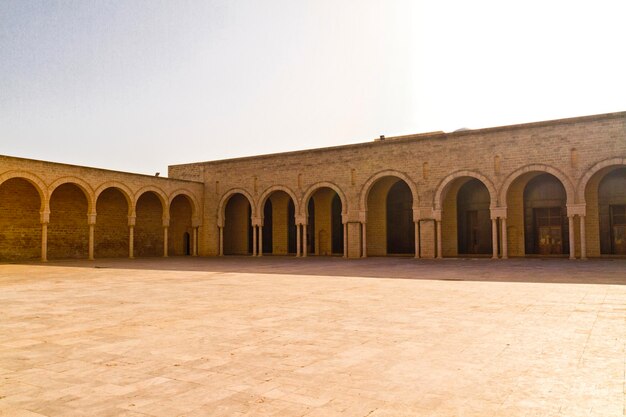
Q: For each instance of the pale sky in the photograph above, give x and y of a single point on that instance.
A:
(137, 85)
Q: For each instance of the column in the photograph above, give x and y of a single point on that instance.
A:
(91, 220)
(583, 240)
(221, 240)
(304, 242)
(505, 241)
(572, 238)
(254, 239)
(260, 240)
(345, 240)
(131, 241)
(417, 239)
(364, 240)
(44, 242)
(494, 238)
(439, 242)
(165, 241)
(194, 242)
(298, 241)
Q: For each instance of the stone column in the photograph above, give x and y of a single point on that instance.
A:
(261, 240)
(45, 219)
(91, 220)
(494, 238)
(304, 241)
(254, 239)
(505, 242)
(439, 239)
(583, 240)
(165, 241)
(364, 239)
(131, 236)
(298, 241)
(572, 238)
(221, 240)
(417, 239)
(194, 242)
(345, 240)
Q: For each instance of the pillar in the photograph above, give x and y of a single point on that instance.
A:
(583, 240)
(165, 241)
(44, 242)
(345, 240)
(572, 238)
(91, 220)
(131, 241)
(260, 240)
(304, 241)
(494, 238)
(254, 240)
(298, 241)
(417, 239)
(439, 239)
(364, 239)
(505, 241)
(194, 242)
(221, 240)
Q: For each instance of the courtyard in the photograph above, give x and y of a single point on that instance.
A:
(315, 337)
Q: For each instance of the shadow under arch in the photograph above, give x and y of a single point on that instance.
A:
(366, 188)
(444, 185)
(564, 179)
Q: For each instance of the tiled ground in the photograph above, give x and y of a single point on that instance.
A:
(314, 337)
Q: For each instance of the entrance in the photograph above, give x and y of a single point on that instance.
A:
(618, 229)
(549, 230)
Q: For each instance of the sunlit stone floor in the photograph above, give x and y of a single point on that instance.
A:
(313, 337)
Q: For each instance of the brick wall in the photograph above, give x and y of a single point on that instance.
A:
(68, 231)
(20, 227)
(149, 226)
(111, 231)
(180, 223)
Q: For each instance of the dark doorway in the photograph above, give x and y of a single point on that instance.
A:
(310, 236)
(545, 221)
(473, 218)
(268, 227)
(337, 226)
(291, 227)
(612, 211)
(400, 228)
(186, 244)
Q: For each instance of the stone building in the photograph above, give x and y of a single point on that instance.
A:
(554, 188)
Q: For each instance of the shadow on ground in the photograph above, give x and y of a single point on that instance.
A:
(537, 270)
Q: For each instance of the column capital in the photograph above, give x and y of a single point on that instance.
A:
(498, 212)
(257, 221)
(132, 220)
(576, 209)
(91, 219)
(166, 221)
(44, 217)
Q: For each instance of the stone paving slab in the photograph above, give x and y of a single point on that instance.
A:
(315, 337)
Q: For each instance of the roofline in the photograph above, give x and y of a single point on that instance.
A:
(418, 137)
(98, 169)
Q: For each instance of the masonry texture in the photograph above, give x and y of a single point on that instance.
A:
(554, 188)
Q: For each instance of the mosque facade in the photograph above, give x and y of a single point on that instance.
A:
(546, 189)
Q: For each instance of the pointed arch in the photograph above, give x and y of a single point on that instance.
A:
(325, 184)
(443, 186)
(387, 173)
(224, 200)
(582, 184)
(265, 195)
(564, 179)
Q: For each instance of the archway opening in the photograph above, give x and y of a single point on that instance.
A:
(20, 226)
(277, 220)
(149, 225)
(325, 228)
(180, 224)
(390, 228)
(187, 244)
(473, 219)
(68, 230)
(545, 216)
(111, 230)
(612, 212)
(237, 226)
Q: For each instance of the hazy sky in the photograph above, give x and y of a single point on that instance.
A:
(137, 85)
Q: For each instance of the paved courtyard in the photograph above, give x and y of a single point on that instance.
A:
(313, 337)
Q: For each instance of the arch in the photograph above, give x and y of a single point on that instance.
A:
(128, 194)
(582, 184)
(190, 196)
(265, 195)
(565, 181)
(443, 186)
(325, 184)
(224, 200)
(81, 184)
(37, 182)
(387, 173)
(157, 191)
